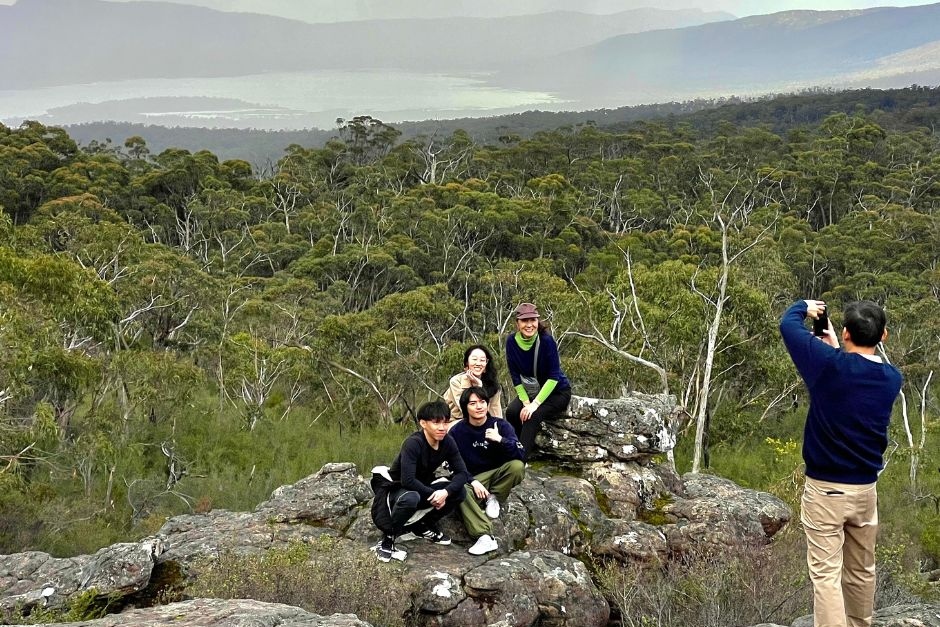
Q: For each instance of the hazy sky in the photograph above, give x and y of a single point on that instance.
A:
(333, 10)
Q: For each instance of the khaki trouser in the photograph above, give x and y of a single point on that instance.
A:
(498, 481)
(841, 523)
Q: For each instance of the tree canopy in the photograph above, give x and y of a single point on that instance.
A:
(345, 281)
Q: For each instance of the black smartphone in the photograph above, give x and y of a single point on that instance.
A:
(821, 323)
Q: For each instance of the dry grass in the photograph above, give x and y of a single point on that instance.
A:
(324, 578)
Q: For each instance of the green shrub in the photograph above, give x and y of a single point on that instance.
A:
(737, 586)
(326, 577)
(88, 605)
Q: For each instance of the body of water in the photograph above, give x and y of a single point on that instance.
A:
(283, 100)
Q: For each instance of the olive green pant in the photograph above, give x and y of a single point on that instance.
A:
(498, 481)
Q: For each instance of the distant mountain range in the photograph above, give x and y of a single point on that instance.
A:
(779, 52)
(567, 59)
(318, 11)
(61, 42)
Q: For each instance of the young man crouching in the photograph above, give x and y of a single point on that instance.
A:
(408, 499)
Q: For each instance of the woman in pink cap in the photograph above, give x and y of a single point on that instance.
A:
(542, 387)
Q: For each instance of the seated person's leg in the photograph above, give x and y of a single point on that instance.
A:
(505, 478)
(512, 414)
(476, 522)
(404, 503)
(553, 407)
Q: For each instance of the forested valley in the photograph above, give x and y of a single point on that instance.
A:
(180, 333)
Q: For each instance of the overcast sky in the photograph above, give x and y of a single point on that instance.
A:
(334, 10)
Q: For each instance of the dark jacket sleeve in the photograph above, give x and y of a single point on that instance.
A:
(511, 444)
(809, 353)
(549, 360)
(512, 359)
(461, 476)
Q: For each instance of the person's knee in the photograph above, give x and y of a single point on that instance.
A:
(516, 470)
(409, 501)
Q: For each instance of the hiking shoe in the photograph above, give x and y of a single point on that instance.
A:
(484, 544)
(492, 506)
(385, 550)
(434, 535)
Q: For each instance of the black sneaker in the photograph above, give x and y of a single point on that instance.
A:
(386, 550)
(433, 535)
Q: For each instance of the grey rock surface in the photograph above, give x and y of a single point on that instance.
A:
(328, 498)
(221, 613)
(906, 615)
(34, 578)
(324, 503)
(714, 513)
(625, 429)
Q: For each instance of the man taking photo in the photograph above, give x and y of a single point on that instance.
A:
(851, 392)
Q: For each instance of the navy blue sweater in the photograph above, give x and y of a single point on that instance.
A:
(549, 365)
(850, 401)
(481, 454)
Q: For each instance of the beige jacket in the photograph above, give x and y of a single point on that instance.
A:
(459, 383)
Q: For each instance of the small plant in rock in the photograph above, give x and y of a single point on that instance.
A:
(656, 514)
(326, 577)
(88, 605)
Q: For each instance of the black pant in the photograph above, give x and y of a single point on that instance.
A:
(555, 405)
(404, 503)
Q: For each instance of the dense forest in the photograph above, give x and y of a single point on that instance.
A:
(181, 333)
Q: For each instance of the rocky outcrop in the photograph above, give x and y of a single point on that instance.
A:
(457, 589)
(35, 579)
(221, 613)
(632, 428)
(327, 502)
(594, 493)
(909, 615)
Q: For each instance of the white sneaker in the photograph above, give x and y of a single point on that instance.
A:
(492, 506)
(484, 544)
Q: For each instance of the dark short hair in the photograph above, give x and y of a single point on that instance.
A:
(435, 410)
(865, 321)
(465, 397)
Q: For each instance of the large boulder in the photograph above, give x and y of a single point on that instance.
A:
(625, 429)
(529, 588)
(328, 498)
(35, 579)
(712, 514)
(595, 493)
(324, 503)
